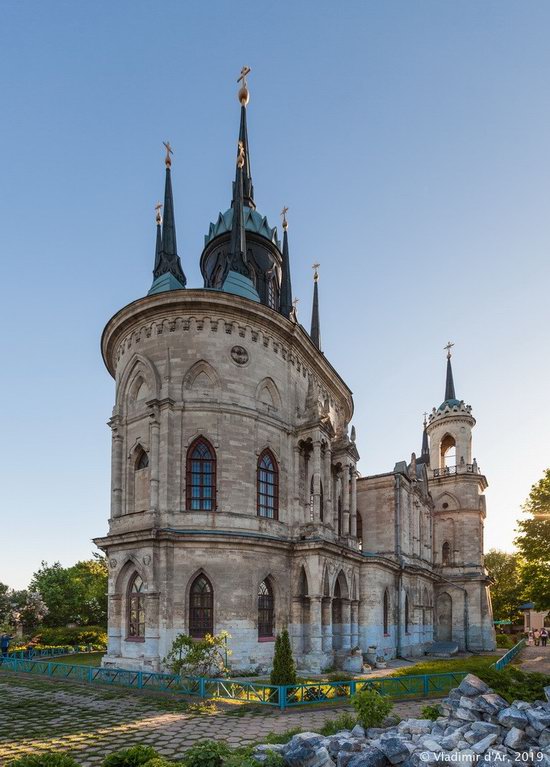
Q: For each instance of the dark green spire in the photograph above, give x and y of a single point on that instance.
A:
(286, 285)
(315, 324)
(425, 452)
(248, 188)
(449, 383)
(167, 261)
(158, 244)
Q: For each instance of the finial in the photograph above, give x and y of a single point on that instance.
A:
(283, 214)
(244, 95)
(169, 151)
(158, 217)
(240, 155)
(315, 267)
(425, 420)
(448, 348)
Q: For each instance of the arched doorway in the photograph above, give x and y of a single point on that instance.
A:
(444, 618)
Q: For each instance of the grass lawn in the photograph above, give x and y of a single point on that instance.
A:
(474, 664)
(80, 659)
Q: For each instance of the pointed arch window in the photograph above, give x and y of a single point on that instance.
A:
(142, 461)
(446, 553)
(272, 297)
(268, 486)
(136, 609)
(359, 524)
(386, 613)
(266, 610)
(200, 486)
(201, 607)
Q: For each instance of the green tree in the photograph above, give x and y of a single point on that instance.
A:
(284, 667)
(507, 591)
(533, 542)
(76, 594)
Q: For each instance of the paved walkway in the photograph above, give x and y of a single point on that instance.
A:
(40, 715)
(535, 659)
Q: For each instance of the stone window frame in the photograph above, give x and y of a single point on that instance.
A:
(189, 499)
(135, 604)
(261, 504)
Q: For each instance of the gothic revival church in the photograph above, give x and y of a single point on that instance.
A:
(236, 501)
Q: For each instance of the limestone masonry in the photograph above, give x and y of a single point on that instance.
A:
(236, 503)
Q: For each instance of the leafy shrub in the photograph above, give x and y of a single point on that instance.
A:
(431, 712)
(514, 684)
(284, 667)
(78, 635)
(371, 707)
(198, 657)
(136, 756)
(159, 761)
(47, 759)
(345, 721)
(209, 753)
(505, 641)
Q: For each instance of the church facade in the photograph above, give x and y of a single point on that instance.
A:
(236, 503)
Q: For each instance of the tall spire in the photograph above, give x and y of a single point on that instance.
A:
(449, 383)
(158, 244)
(237, 248)
(167, 261)
(286, 285)
(248, 188)
(425, 452)
(315, 324)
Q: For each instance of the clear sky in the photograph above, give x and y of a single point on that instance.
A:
(410, 140)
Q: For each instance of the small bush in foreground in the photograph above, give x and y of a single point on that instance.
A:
(431, 712)
(284, 667)
(371, 707)
(136, 756)
(514, 684)
(209, 753)
(48, 759)
(345, 721)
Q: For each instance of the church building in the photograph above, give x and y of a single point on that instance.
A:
(236, 503)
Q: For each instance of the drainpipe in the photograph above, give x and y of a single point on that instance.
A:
(397, 533)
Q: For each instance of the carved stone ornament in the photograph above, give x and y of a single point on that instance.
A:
(147, 559)
(239, 355)
(113, 563)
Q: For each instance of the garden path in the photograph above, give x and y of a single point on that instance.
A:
(535, 659)
(41, 715)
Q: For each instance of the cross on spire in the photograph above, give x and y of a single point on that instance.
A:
(315, 268)
(283, 214)
(169, 151)
(244, 72)
(448, 348)
(158, 216)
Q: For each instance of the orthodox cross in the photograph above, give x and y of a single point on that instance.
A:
(425, 418)
(448, 348)
(158, 208)
(240, 155)
(169, 151)
(283, 214)
(244, 72)
(315, 267)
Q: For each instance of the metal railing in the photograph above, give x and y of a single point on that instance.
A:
(50, 652)
(509, 656)
(281, 696)
(463, 468)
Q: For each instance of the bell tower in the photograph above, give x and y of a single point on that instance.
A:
(463, 607)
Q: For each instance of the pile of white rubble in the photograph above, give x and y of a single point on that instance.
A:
(477, 727)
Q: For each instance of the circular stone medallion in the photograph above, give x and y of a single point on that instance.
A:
(239, 355)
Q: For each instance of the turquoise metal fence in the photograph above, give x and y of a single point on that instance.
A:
(509, 656)
(281, 696)
(50, 652)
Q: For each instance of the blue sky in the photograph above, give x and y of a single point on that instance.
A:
(410, 141)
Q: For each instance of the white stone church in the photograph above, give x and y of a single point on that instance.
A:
(236, 501)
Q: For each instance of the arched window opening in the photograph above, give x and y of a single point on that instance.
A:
(446, 553)
(268, 486)
(407, 614)
(136, 609)
(386, 609)
(142, 461)
(359, 524)
(448, 452)
(266, 610)
(201, 476)
(201, 608)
